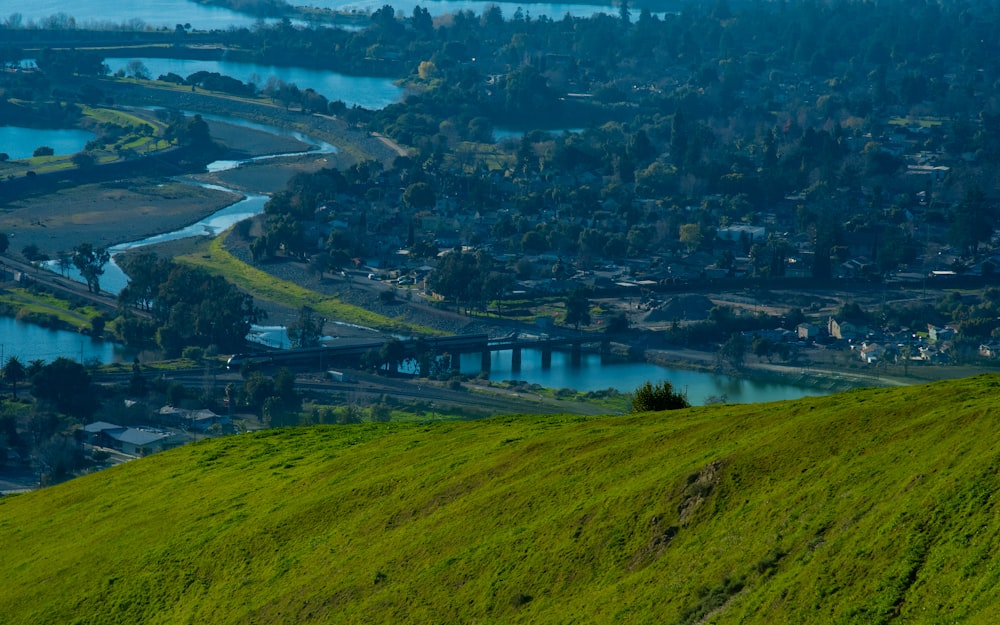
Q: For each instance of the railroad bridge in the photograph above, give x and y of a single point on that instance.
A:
(453, 345)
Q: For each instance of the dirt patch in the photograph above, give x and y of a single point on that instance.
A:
(700, 485)
(108, 213)
(682, 308)
(244, 142)
(268, 176)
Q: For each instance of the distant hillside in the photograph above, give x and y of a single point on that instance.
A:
(875, 506)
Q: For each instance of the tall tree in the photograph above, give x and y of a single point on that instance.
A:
(14, 372)
(67, 385)
(90, 262)
(578, 309)
(306, 330)
(972, 222)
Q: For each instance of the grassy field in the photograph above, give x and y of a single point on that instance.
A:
(873, 506)
(213, 257)
(46, 309)
(141, 135)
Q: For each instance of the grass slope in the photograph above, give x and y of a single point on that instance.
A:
(263, 286)
(875, 506)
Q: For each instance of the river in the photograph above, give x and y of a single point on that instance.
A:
(167, 14)
(593, 374)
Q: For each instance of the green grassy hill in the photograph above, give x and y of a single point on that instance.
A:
(875, 506)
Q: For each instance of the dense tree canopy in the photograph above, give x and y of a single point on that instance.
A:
(189, 307)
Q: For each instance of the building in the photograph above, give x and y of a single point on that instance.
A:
(807, 331)
(843, 330)
(137, 441)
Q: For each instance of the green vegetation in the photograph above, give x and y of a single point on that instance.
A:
(265, 287)
(661, 396)
(45, 309)
(873, 506)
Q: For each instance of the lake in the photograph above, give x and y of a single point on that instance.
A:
(371, 93)
(30, 342)
(20, 142)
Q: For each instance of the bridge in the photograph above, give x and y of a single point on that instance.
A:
(517, 342)
(454, 345)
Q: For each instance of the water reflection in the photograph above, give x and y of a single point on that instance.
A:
(590, 373)
(369, 92)
(31, 342)
(19, 142)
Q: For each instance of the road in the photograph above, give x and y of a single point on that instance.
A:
(70, 289)
(367, 388)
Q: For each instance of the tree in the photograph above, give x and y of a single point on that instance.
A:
(649, 397)
(306, 330)
(137, 69)
(972, 222)
(90, 262)
(391, 354)
(578, 309)
(419, 195)
(43, 150)
(14, 372)
(137, 383)
(83, 160)
(67, 385)
(4, 242)
(734, 350)
(691, 236)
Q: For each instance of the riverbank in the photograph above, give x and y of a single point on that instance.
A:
(121, 211)
(104, 214)
(816, 368)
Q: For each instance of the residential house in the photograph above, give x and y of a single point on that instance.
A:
(989, 350)
(844, 330)
(137, 441)
(142, 441)
(807, 331)
(202, 420)
(936, 334)
(871, 353)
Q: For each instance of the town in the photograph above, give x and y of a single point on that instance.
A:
(805, 206)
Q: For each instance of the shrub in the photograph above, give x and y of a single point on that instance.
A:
(659, 397)
(193, 352)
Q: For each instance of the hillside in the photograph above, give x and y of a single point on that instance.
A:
(873, 506)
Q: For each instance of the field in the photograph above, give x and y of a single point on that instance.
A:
(874, 506)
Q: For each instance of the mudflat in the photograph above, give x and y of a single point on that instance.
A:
(107, 213)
